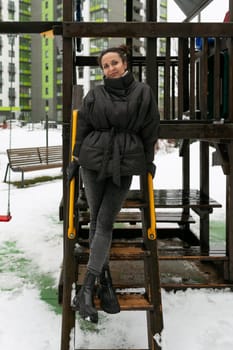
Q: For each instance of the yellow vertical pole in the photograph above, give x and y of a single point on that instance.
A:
(151, 231)
(71, 226)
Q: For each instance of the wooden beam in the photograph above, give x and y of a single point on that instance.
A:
(184, 130)
(145, 29)
(135, 60)
(119, 29)
(29, 27)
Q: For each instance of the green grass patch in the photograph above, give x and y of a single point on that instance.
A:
(39, 179)
(14, 264)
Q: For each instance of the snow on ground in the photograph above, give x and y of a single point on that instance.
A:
(31, 246)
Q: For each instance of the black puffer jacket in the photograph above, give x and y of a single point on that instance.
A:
(117, 128)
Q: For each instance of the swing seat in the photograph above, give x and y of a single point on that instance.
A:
(5, 218)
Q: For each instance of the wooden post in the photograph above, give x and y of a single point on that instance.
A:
(229, 218)
(204, 191)
(229, 181)
(151, 50)
(151, 266)
(185, 153)
(68, 316)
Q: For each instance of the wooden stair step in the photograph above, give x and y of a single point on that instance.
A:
(184, 286)
(131, 232)
(133, 200)
(130, 301)
(116, 253)
(176, 198)
(164, 198)
(118, 241)
(179, 252)
(194, 257)
(134, 217)
(111, 349)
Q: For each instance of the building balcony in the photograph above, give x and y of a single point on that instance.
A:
(137, 17)
(98, 7)
(137, 5)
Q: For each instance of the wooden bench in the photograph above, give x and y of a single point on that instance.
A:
(32, 159)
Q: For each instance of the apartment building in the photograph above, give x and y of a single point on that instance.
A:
(9, 64)
(31, 65)
(162, 17)
(46, 65)
(24, 89)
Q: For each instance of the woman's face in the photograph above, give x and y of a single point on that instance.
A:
(112, 65)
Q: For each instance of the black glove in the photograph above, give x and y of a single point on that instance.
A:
(151, 168)
(72, 169)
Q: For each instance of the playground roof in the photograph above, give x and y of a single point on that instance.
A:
(192, 7)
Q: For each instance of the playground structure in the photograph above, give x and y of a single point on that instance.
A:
(203, 93)
(194, 96)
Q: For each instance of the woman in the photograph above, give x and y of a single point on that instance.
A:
(117, 129)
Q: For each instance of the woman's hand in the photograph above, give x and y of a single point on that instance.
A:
(151, 168)
(72, 169)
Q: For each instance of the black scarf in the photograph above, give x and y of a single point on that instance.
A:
(119, 86)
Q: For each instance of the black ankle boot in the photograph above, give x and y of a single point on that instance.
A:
(84, 300)
(108, 299)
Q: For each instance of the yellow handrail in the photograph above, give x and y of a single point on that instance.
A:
(151, 231)
(71, 226)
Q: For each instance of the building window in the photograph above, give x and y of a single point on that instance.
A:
(80, 72)
(98, 45)
(99, 16)
(11, 71)
(11, 95)
(11, 10)
(0, 42)
(97, 4)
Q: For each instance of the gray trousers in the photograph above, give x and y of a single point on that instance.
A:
(105, 200)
